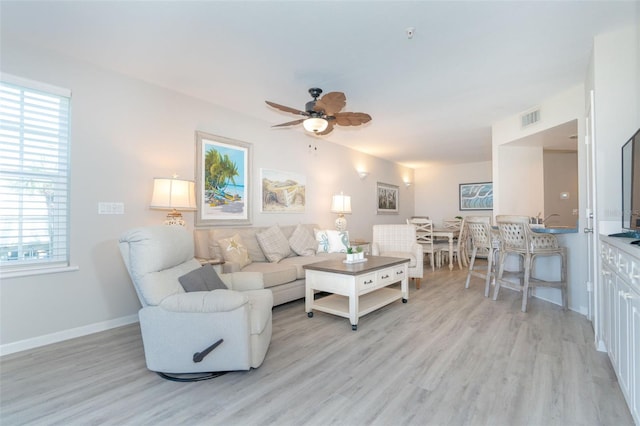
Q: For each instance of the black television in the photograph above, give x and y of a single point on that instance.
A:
(631, 186)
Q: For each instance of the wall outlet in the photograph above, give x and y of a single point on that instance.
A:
(110, 208)
(575, 212)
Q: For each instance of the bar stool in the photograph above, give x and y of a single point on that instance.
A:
(517, 238)
(483, 243)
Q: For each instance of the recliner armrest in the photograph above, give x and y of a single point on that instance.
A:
(243, 281)
(205, 301)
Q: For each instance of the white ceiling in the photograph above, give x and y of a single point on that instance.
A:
(432, 97)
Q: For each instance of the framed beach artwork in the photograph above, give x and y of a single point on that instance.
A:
(282, 192)
(387, 196)
(223, 176)
(476, 196)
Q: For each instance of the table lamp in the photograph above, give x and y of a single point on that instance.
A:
(341, 204)
(173, 194)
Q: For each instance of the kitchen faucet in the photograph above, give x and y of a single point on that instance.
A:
(551, 215)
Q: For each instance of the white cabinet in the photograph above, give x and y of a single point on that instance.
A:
(620, 314)
(635, 357)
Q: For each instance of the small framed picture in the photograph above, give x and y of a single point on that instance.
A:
(387, 196)
(476, 196)
(282, 191)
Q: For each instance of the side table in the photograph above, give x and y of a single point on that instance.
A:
(216, 263)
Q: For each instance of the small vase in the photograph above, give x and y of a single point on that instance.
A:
(351, 257)
(360, 255)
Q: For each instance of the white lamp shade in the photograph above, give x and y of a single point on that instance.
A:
(178, 194)
(315, 124)
(341, 204)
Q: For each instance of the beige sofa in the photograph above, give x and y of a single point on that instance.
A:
(284, 278)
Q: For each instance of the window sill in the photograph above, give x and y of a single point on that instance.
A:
(27, 272)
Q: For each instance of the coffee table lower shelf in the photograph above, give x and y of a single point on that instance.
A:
(336, 304)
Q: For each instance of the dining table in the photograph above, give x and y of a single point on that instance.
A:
(450, 234)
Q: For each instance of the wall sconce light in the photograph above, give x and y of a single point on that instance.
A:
(564, 196)
(407, 183)
(362, 174)
(173, 194)
(341, 204)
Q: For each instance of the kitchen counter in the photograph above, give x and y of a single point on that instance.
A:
(554, 229)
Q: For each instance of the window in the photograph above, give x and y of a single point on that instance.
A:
(34, 174)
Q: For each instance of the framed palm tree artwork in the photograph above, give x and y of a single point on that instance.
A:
(223, 176)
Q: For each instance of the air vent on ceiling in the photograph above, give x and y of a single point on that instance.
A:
(530, 118)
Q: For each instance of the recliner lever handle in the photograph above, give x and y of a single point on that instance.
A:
(199, 356)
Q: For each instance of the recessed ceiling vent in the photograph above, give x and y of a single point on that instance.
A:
(530, 118)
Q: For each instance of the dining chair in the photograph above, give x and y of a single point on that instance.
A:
(517, 238)
(483, 242)
(455, 224)
(424, 237)
(460, 253)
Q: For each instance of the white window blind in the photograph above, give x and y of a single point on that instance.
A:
(34, 174)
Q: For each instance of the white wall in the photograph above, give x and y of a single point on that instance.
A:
(616, 82)
(520, 186)
(509, 180)
(124, 133)
(437, 188)
(560, 175)
(614, 77)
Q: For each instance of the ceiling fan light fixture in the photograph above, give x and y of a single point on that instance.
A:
(315, 124)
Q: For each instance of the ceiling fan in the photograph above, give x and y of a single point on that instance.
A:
(322, 114)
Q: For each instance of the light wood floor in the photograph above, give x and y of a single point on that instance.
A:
(448, 357)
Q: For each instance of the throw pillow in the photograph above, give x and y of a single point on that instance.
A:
(302, 242)
(202, 279)
(323, 240)
(330, 241)
(338, 241)
(234, 251)
(274, 244)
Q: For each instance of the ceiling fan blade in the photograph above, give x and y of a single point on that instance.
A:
(286, 108)
(331, 103)
(290, 123)
(352, 118)
(327, 130)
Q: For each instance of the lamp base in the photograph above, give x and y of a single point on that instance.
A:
(341, 223)
(174, 217)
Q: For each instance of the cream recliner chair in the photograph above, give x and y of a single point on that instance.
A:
(200, 331)
(399, 241)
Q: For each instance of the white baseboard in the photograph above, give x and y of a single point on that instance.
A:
(35, 342)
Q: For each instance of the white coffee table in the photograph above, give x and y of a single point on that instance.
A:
(357, 288)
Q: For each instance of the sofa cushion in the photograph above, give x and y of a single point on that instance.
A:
(298, 262)
(233, 250)
(248, 236)
(202, 279)
(331, 241)
(274, 244)
(273, 273)
(302, 242)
